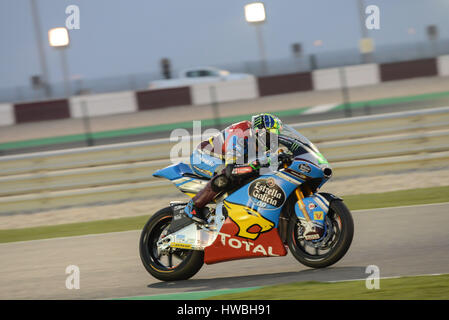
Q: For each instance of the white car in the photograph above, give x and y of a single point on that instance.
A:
(192, 76)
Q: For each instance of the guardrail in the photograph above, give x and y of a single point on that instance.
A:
(354, 146)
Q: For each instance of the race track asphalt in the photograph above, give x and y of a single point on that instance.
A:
(400, 241)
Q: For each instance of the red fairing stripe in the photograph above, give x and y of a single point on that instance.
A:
(228, 246)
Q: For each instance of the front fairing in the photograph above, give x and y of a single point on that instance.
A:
(300, 147)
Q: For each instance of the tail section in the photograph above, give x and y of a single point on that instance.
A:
(183, 177)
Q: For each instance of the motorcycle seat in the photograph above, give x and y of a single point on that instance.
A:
(193, 175)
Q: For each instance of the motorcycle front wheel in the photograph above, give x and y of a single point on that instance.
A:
(172, 264)
(334, 244)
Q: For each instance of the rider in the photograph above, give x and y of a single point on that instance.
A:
(226, 158)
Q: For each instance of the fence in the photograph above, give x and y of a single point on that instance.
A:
(132, 116)
(354, 146)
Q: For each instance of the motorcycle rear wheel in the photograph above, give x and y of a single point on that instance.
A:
(162, 265)
(332, 246)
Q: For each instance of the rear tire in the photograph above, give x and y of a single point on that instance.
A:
(338, 238)
(190, 263)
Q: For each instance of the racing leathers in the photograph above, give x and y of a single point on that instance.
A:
(226, 159)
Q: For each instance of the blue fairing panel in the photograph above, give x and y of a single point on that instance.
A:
(203, 164)
(317, 207)
(266, 195)
(174, 171)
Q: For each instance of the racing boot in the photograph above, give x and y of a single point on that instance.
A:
(194, 209)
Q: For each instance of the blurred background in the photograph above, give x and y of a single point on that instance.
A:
(122, 46)
(90, 91)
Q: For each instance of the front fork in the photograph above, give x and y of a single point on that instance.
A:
(300, 197)
(300, 200)
(311, 212)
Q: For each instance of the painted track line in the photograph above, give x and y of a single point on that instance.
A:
(320, 108)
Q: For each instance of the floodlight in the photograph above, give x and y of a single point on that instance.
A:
(255, 12)
(58, 37)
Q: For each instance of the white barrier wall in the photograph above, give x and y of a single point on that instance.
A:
(443, 65)
(325, 79)
(360, 75)
(6, 114)
(103, 104)
(222, 91)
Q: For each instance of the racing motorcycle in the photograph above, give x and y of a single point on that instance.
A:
(267, 216)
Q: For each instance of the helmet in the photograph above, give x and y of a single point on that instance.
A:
(264, 125)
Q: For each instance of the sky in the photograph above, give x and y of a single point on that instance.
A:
(120, 37)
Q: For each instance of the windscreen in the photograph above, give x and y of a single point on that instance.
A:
(299, 145)
(289, 132)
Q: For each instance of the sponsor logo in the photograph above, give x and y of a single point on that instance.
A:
(204, 171)
(294, 146)
(271, 182)
(180, 245)
(297, 174)
(311, 206)
(266, 191)
(318, 215)
(304, 168)
(207, 161)
(180, 237)
(242, 170)
(250, 222)
(249, 246)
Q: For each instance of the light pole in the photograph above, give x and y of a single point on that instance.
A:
(412, 32)
(59, 39)
(366, 45)
(313, 57)
(38, 34)
(255, 14)
(432, 35)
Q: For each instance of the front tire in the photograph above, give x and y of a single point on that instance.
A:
(162, 265)
(332, 246)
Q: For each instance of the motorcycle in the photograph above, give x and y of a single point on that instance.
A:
(267, 216)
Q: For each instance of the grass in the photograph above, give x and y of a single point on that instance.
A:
(395, 100)
(355, 202)
(398, 198)
(404, 288)
(73, 229)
